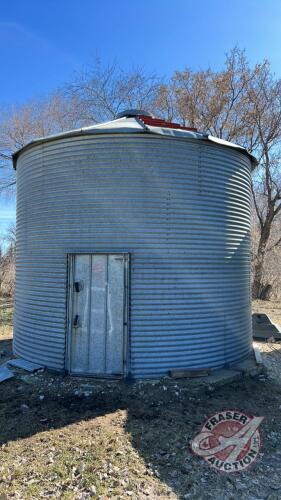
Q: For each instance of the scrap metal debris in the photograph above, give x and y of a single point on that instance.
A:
(264, 329)
(25, 365)
(5, 373)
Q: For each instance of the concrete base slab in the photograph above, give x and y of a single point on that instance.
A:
(249, 366)
(25, 365)
(246, 368)
(258, 356)
(222, 377)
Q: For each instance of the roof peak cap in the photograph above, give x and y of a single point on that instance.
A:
(134, 112)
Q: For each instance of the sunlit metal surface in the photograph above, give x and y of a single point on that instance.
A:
(180, 207)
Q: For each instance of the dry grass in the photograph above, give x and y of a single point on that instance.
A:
(121, 441)
(92, 456)
(6, 320)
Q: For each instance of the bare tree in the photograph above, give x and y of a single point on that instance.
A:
(38, 118)
(213, 102)
(264, 119)
(7, 263)
(240, 104)
(103, 91)
(96, 94)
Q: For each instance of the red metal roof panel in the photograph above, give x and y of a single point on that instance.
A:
(157, 122)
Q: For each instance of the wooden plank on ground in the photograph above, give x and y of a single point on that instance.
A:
(204, 372)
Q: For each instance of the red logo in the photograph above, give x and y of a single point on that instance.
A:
(229, 441)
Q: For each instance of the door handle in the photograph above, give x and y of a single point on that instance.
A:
(76, 321)
(78, 286)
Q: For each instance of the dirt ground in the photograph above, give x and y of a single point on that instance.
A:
(67, 438)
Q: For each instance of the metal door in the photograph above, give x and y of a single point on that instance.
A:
(97, 314)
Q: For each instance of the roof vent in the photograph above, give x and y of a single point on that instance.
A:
(134, 112)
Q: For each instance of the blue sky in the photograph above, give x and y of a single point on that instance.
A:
(43, 43)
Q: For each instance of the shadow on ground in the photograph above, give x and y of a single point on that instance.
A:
(160, 420)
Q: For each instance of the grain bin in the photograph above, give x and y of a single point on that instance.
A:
(133, 250)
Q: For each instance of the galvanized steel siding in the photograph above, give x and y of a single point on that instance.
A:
(181, 207)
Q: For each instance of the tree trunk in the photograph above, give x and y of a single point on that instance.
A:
(258, 276)
(258, 285)
(266, 292)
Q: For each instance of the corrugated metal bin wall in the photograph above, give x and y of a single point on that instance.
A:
(180, 207)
